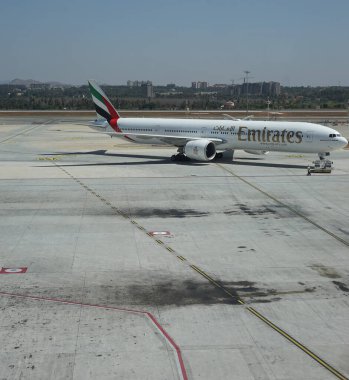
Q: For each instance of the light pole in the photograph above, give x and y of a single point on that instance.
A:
(268, 103)
(246, 81)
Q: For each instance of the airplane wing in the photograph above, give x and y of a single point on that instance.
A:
(229, 117)
(167, 139)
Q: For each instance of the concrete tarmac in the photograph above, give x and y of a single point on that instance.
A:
(130, 266)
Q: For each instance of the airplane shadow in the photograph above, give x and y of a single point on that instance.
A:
(158, 160)
(101, 152)
(155, 160)
(268, 164)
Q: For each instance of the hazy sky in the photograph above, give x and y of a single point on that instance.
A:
(296, 42)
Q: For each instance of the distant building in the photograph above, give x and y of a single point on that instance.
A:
(199, 85)
(137, 83)
(148, 89)
(202, 85)
(276, 88)
(219, 85)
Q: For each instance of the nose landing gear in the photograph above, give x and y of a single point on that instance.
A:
(323, 155)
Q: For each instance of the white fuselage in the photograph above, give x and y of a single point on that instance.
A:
(235, 134)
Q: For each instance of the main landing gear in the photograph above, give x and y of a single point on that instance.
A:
(180, 157)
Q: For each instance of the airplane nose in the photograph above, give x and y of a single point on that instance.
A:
(343, 141)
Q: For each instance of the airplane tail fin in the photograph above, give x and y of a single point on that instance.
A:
(102, 104)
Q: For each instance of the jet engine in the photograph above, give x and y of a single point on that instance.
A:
(258, 152)
(201, 150)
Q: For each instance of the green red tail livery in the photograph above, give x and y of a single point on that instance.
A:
(103, 105)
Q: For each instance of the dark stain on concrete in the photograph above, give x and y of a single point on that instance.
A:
(177, 293)
(325, 271)
(167, 293)
(252, 294)
(267, 300)
(341, 286)
(263, 211)
(165, 213)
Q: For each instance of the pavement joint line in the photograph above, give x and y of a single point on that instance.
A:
(24, 132)
(182, 372)
(236, 297)
(328, 232)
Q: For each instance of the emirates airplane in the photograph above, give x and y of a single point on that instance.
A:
(207, 139)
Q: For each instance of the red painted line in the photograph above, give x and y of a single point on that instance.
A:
(182, 373)
(38, 298)
(173, 343)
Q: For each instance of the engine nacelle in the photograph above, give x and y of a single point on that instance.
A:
(257, 152)
(201, 150)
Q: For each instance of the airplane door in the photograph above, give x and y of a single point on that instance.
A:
(204, 132)
(308, 136)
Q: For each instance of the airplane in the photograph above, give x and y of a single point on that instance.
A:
(207, 139)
